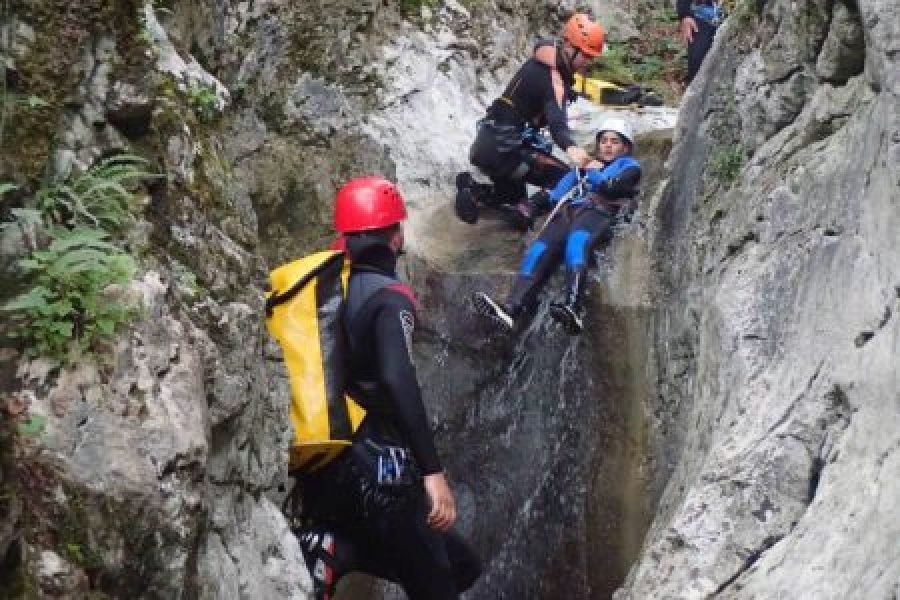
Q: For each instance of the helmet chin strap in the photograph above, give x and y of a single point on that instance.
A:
(571, 58)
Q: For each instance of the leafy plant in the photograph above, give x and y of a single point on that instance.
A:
(613, 66)
(99, 197)
(204, 100)
(74, 263)
(33, 426)
(727, 163)
(652, 67)
(67, 298)
(414, 7)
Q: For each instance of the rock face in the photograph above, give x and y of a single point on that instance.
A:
(148, 468)
(738, 382)
(779, 400)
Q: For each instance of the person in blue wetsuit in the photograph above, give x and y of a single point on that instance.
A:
(591, 206)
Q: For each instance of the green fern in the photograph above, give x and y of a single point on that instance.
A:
(101, 196)
(67, 298)
(67, 307)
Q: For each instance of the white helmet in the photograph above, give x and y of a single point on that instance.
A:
(618, 125)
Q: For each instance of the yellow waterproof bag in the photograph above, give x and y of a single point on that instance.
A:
(304, 313)
(595, 89)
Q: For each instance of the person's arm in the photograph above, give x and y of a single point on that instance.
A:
(393, 327)
(557, 118)
(687, 26)
(568, 181)
(394, 324)
(623, 185)
(619, 179)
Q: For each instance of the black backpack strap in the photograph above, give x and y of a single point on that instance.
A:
(334, 262)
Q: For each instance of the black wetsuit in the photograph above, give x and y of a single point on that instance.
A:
(383, 527)
(707, 14)
(502, 148)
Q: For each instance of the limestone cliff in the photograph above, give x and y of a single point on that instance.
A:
(776, 342)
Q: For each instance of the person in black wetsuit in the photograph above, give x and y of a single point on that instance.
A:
(588, 211)
(384, 506)
(698, 22)
(508, 147)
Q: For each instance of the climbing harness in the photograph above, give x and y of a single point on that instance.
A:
(534, 138)
(577, 191)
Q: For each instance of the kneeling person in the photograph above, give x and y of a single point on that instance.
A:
(508, 147)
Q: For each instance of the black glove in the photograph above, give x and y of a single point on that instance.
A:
(538, 204)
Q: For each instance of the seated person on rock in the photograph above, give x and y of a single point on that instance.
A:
(591, 207)
(508, 147)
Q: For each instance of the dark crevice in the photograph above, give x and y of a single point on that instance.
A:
(851, 56)
(815, 475)
(829, 20)
(786, 77)
(754, 337)
(863, 338)
(749, 562)
(866, 335)
(736, 247)
(809, 384)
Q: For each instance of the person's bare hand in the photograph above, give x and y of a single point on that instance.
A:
(577, 155)
(686, 29)
(443, 506)
(594, 164)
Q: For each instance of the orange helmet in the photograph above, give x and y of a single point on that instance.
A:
(584, 34)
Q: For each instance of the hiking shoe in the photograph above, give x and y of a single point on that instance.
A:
(486, 307)
(568, 317)
(466, 208)
(320, 553)
(519, 216)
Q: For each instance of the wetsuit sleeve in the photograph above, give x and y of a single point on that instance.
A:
(619, 179)
(393, 326)
(562, 187)
(555, 111)
(623, 184)
(683, 8)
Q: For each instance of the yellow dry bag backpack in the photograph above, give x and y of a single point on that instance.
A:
(304, 313)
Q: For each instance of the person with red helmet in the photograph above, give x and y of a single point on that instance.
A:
(384, 506)
(508, 147)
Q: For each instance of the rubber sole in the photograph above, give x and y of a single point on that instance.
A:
(486, 307)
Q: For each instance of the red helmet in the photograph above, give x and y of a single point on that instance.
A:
(367, 203)
(584, 34)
